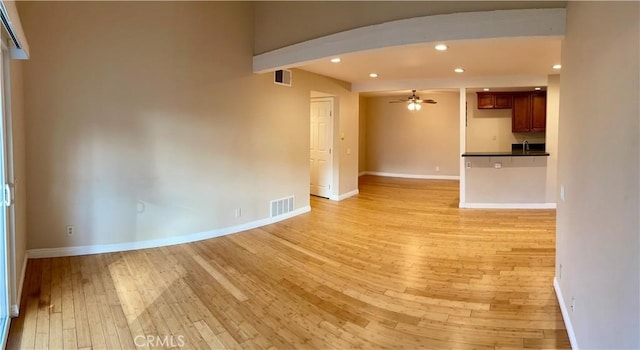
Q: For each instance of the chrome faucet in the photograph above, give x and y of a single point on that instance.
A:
(525, 146)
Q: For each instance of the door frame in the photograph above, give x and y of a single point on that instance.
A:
(6, 189)
(332, 162)
(10, 222)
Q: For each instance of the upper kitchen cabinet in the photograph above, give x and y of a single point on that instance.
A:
(529, 113)
(494, 100)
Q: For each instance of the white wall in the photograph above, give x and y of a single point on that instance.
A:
(598, 232)
(413, 142)
(519, 181)
(144, 121)
(551, 137)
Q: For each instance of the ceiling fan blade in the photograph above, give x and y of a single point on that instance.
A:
(398, 101)
(430, 101)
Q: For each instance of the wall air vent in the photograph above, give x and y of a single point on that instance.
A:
(282, 77)
(281, 206)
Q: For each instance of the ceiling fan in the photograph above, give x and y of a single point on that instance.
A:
(414, 103)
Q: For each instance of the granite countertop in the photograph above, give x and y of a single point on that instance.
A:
(514, 153)
(534, 150)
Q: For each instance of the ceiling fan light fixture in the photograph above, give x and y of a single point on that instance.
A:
(413, 102)
(459, 70)
(373, 75)
(414, 105)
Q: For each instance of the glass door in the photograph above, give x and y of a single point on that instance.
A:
(7, 277)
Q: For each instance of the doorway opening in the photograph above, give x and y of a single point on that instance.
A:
(321, 146)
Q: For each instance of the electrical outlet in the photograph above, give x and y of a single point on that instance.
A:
(71, 230)
(437, 168)
(562, 192)
(560, 272)
(469, 165)
(238, 212)
(573, 304)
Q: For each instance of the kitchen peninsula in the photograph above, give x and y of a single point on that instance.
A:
(515, 179)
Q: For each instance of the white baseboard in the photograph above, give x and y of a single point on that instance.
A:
(507, 205)
(565, 315)
(362, 173)
(15, 308)
(160, 242)
(14, 311)
(414, 176)
(345, 195)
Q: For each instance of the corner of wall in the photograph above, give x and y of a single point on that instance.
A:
(362, 134)
(551, 136)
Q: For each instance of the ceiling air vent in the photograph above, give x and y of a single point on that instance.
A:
(282, 77)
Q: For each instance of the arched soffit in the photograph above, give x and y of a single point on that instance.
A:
(457, 26)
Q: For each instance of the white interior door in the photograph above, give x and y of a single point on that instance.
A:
(320, 153)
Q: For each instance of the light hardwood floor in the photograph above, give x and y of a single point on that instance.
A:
(398, 267)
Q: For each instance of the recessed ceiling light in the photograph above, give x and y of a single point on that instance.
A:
(459, 70)
(441, 47)
(557, 66)
(537, 88)
(485, 89)
(373, 75)
(335, 59)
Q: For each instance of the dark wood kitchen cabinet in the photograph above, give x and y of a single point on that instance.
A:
(504, 100)
(529, 113)
(485, 101)
(494, 100)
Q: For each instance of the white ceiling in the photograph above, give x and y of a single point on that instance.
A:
(489, 58)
